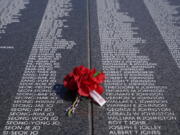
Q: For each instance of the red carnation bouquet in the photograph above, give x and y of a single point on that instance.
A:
(85, 82)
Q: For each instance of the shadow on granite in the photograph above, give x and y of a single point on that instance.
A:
(64, 93)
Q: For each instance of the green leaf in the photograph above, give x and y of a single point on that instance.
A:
(96, 74)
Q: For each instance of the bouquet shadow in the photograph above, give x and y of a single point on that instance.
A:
(64, 93)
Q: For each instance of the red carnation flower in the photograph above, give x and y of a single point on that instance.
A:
(69, 82)
(83, 80)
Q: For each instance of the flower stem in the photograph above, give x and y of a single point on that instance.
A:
(72, 108)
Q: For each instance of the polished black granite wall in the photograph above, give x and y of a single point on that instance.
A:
(89, 117)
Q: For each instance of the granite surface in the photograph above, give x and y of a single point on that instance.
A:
(135, 42)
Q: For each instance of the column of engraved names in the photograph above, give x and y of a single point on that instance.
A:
(131, 91)
(9, 12)
(33, 104)
(166, 16)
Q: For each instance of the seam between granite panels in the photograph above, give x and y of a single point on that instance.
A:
(90, 111)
